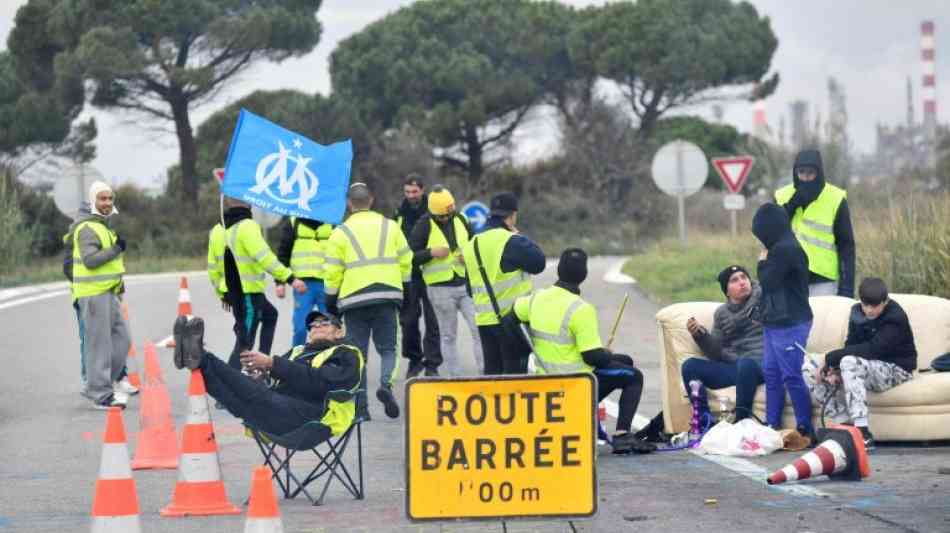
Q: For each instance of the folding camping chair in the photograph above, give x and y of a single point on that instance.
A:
(278, 451)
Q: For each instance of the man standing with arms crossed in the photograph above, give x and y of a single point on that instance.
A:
(423, 352)
(96, 286)
(508, 258)
(368, 263)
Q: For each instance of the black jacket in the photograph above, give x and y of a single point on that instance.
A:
(407, 215)
(886, 338)
(288, 236)
(300, 380)
(805, 194)
(783, 275)
(231, 275)
(419, 243)
(520, 252)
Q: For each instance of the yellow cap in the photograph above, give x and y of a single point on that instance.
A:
(441, 201)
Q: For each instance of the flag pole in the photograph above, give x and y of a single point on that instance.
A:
(613, 330)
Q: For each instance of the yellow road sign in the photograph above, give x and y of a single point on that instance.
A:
(508, 446)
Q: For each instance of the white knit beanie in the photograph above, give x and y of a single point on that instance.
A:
(94, 190)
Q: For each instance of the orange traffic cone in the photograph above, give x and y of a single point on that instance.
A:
(199, 490)
(157, 445)
(841, 455)
(263, 516)
(184, 298)
(115, 506)
(133, 367)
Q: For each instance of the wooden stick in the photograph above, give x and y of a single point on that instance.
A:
(613, 330)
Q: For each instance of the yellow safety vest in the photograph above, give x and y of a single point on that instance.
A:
(506, 285)
(105, 278)
(306, 259)
(340, 406)
(814, 227)
(444, 269)
(253, 256)
(217, 243)
(550, 313)
(367, 249)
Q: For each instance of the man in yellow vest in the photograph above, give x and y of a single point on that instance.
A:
(508, 259)
(566, 339)
(368, 263)
(247, 261)
(313, 382)
(821, 220)
(436, 242)
(97, 285)
(301, 246)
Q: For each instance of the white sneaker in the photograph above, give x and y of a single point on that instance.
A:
(126, 387)
(109, 401)
(120, 396)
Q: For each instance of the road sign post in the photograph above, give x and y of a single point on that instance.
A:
(501, 448)
(679, 169)
(734, 171)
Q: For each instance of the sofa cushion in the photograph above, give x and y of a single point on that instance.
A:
(930, 321)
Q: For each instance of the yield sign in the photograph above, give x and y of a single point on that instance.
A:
(734, 170)
(219, 174)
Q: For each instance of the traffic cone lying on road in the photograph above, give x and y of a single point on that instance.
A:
(157, 444)
(841, 456)
(115, 507)
(199, 490)
(263, 516)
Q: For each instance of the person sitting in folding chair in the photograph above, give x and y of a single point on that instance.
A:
(316, 381)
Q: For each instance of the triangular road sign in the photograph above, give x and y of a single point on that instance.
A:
(219, 174)
(734, 170)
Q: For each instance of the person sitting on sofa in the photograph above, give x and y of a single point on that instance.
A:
(733, 348)
(878, 355)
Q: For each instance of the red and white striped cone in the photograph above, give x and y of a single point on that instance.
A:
(263, 515)
(200, 490)
(184, 298)
(115, 507)
(841, 456)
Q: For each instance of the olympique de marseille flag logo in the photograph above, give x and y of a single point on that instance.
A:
(286, 173)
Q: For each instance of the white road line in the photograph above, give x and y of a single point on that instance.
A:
(639, 421)
(755, 472)
(32, 299)
(615, 273)
(52, 290)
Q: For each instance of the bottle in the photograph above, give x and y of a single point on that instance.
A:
(694, 431)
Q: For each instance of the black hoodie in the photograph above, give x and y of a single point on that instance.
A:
(805, 194)
(783, 275)
(408, 215)
(887, 338)
(231, 275)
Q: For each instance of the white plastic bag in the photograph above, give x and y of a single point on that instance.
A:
(745, 438)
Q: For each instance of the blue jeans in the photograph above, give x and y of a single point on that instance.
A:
(782, 368)
(303, 304)
(745, 374)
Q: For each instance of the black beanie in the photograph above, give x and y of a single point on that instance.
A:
(727, 273)
(572, 267)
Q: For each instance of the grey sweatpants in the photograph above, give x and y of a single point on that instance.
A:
(448, 302)
(105, 343)
(858, 375)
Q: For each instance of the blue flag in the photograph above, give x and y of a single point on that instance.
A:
(286, 173)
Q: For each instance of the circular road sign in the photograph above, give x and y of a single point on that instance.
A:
(477, 214)
(680, 168)
(72, 188)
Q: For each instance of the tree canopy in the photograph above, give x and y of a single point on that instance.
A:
(462, 72)
(162, 57)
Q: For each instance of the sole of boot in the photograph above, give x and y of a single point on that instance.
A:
(194, 343)
(178, 333)
(390, 407)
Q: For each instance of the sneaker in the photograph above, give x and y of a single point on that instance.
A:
(385, 395)
(107, 402)
(189, 342)
(415, 368)
(628, 442)
(126, 387)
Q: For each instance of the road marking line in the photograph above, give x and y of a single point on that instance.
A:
(32, 299)
(615, 274)
(52, 290)
(755, 472)
(164, 342)
(639, 421)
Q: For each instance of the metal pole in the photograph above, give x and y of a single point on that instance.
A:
(732, 217)
(681, 187)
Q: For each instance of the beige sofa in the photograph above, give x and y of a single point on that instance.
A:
(916, 410)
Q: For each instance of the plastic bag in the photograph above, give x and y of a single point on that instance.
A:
(745, 438)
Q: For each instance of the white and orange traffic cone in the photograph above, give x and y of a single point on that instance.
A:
(157, 446)
(133, 367)
(200, 490)
(841, 456)
(184, 298)
(115, 507)
(263, 515)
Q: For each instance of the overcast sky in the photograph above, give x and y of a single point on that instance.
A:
(870, 46)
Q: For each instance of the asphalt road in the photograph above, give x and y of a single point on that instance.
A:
(50, 442)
